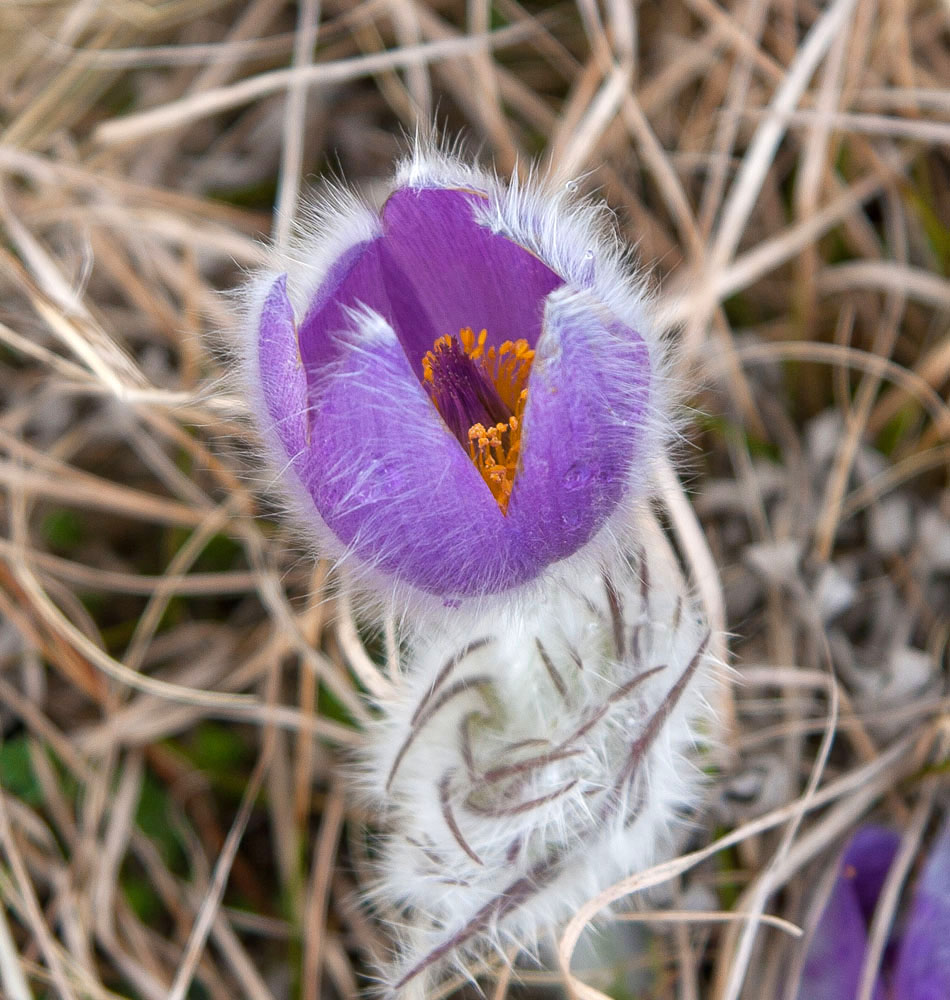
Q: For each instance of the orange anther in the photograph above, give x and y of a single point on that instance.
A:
(493, 450)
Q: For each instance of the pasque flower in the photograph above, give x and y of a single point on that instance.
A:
(531, 758)
(465, 391)
(916, 963)
(464, 387)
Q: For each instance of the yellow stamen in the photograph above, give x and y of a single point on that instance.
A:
(495, 449)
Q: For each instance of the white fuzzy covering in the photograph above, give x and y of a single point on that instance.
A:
(474, 858)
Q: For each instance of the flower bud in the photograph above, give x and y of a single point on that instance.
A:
(530, 760)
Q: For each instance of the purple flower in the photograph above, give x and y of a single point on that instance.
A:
(463, 386)
(922, 970)
(916, 964)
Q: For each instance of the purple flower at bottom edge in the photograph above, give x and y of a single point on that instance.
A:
(922, 969)
(467, 389)
(917, 962)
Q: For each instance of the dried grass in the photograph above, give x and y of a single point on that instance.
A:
(177, 683)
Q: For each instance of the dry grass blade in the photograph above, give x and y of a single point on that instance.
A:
(184, 111)
(180, 683)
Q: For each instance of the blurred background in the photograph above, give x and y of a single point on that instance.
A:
(176, 672)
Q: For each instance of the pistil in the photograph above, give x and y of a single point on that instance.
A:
(481, 394)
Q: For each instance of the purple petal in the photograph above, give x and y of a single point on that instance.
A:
(583, 426)
(355, 279)
(462, 273)
(385, 473)
(282, 381)
(836, 953)
(833, 967)
(434, 271)
(389, 478)
(393, 483)
(868, 858)
(923, 962)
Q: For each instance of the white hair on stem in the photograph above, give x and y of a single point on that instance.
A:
(530, 760)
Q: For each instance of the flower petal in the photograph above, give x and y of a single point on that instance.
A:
(833, 967)
(355, 279)
(583, 427)
(434, 271)
(462, 273)
(282, 381)
(836, 954)
(923, 963)
(866, 862)
(389, 478)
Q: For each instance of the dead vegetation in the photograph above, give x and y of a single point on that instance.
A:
(176, 680)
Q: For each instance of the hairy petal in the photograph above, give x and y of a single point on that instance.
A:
(359, 279)
(453, 249)
(583, 426)
(433, 271)
(282, 381)
(387, 475)
(462, 273)
(923, 963)
(393, 483)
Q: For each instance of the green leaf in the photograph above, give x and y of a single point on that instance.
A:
(16, 771)
(153, 816)
(63, 529)
(217, 748)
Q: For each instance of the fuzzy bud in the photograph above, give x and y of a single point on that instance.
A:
(533, 758)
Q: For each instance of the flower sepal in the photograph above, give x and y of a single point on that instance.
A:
(460, 401)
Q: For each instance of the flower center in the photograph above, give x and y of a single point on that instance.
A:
(481, 395)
